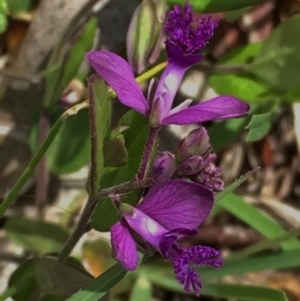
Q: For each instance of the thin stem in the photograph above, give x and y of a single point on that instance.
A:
(149, 150)
(29, 170)
(89, 209)
(79, 230)
(42, 173)
(10, 73)
(13, 194)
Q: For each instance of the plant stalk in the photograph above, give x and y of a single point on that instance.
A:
(89, 208)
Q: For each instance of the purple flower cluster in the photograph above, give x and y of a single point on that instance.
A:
(182, 199)
(192, 161)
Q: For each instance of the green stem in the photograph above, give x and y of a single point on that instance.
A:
(14, 193)
(264, 245)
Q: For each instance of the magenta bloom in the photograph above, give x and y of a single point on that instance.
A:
(184, 44)
(170, 211)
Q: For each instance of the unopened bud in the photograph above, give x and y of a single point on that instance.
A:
(196, 143)
(215, 184)
(156, 111)
(190, 166)
(163, 167)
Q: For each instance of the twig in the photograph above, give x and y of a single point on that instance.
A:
(89, 209)
(42, 173)
(148, 151)
(32, 78)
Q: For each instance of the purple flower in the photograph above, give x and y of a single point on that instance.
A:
(170, 211)
(183, 46)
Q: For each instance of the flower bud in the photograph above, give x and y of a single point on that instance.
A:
(190, 166)
(196, 143)
(163, 167)
(156, 112)
(217, 184)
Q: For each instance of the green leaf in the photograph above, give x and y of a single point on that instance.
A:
(16, 7)
(58, 77)
(260, 124)
(243, 84)
(52, 297)
(283, 260)
(100, 113)
(135, 139)
(256, 219)
(144, 32)
(3, 22)
(55, 277)
(207, 6)
(71, 148)
(278, 61)
(35, 235)
(230, 188)
(99, 287)
(292, 95)
(115, 153)
(266, 244)
(164, 277)
(22, 283)
(142, 287)
(243, 292)
(225, 132)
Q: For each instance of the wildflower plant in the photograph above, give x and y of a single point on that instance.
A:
(149, 199)
(182, 194)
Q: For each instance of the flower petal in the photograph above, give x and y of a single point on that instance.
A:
(221, 107)
(178, 204)
(123, 246)
(118, 74)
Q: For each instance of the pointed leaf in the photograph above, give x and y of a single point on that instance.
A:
(22, 283)
(225, 132)
(273, 261)
(99, 112)
(99, 287)
(230, 188)
(256, 219)
(219, 290)
(58, 77)
(243, 85)
(55, 277)
(278, 61)
(115, 153)
(260, 124)
(35, 235)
